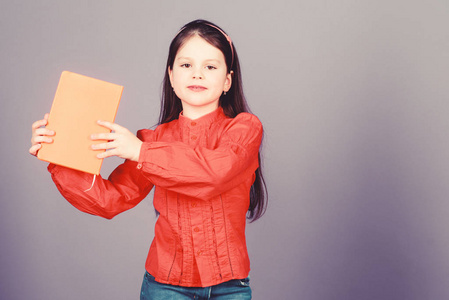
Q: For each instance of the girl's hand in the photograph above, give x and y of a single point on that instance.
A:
(40, 134)
(121, 142)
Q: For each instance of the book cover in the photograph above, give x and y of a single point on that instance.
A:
(79, 102)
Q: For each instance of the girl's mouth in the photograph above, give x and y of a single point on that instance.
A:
(196, 88)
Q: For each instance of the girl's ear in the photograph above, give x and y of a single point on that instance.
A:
(170, 75)
(228, 81)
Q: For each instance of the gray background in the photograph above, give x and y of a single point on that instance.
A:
(353, 96)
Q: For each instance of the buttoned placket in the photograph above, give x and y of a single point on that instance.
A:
(195, 210)
(194, 133)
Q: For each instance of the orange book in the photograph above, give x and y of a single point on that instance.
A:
(79, 102)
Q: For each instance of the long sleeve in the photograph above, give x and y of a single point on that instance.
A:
(124, 189)
(204, 172)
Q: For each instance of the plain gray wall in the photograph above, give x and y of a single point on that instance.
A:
(353, 96)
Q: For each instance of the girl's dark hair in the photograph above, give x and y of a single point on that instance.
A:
(233, 102)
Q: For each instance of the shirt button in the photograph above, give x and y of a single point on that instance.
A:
(139, 166)
(196, 229)
(199, 253)
(193, 123)
(194, 204)
(193, 137)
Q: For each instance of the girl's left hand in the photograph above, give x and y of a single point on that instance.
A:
(121, 142)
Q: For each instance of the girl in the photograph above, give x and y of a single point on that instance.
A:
(203, 160)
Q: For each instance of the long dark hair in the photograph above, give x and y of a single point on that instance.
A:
(233, 102)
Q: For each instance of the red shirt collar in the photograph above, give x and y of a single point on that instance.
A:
(204, 120)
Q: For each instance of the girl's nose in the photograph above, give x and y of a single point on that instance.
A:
(197, 74)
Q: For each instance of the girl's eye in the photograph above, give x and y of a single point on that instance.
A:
(210, 67)
(185, 66)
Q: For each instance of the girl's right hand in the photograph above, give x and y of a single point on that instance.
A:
(40, 135)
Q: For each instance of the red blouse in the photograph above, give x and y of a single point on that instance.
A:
(202, 171)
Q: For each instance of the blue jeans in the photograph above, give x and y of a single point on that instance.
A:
(233, 289)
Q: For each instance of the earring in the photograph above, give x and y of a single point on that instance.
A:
(225, 93)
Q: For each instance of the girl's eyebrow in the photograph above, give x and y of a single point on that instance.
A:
(182, 57)
(213, 60)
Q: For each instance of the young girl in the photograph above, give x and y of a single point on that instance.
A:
(203, 160)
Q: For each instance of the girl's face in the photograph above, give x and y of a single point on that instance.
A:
(199, 77)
